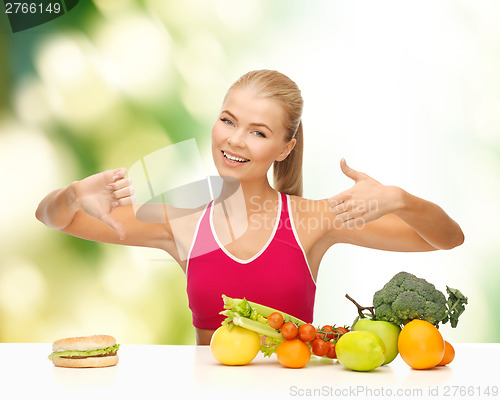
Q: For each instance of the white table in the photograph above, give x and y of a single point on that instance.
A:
(164, 372)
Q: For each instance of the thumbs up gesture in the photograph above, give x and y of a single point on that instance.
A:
(366, 201)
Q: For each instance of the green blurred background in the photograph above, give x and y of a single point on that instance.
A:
(408, 92)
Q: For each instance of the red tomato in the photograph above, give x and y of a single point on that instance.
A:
(319, 347)
(307, 332)
(327, 332)
(331, 350)
(342, 330)
(289, 330)
(275, 320)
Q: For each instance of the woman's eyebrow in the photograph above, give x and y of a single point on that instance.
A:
(261, 124)
(252, 123)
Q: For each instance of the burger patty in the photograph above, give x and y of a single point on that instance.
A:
(81, 357)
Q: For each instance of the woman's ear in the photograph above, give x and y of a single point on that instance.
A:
(286, 150)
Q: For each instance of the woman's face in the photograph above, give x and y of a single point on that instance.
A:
(249, 136)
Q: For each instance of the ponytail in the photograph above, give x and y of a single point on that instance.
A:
(287, 174)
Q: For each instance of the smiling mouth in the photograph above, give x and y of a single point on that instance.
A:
(234, 159)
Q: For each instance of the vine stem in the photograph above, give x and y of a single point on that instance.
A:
(361, 308)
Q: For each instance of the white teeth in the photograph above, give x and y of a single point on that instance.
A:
(234, 158)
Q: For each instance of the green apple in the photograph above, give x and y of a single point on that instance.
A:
(387, 331)
(360, 350)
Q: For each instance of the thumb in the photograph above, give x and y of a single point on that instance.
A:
(349, 172)
(114, 224)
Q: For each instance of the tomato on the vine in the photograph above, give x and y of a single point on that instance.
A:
(327, 332)
(319, 347)
(275, 320)
(331, 353)
(289, 330)
(307, 332)
(341, 330)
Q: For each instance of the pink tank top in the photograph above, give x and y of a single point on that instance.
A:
(278, 276)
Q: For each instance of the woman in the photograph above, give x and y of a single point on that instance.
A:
(282, 237)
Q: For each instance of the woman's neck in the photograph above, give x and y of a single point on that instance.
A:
(249, 192)
(241, 207)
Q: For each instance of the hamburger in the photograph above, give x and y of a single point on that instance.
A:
(85, 352)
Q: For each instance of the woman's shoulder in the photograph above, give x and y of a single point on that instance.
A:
(312, 220)
(312, 215)
(308, 207)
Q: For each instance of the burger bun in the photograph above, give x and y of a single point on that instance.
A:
(84, 343)
(90, 362)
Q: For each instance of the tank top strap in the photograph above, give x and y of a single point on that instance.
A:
(204, 231)
(284, 207)
(286, 227)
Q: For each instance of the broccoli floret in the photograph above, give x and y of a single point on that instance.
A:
(406, 297)
(387, 295)
(435, 311)
(407, 306)
(385, 313)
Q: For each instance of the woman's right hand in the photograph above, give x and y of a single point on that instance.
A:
(98, 195)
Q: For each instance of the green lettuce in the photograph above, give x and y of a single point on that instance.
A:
(71, 353)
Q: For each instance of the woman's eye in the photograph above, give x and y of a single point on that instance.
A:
(259, 134)
(227, 121)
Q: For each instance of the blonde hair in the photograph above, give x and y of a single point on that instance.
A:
(287, 174)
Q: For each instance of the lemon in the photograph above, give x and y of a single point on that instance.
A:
(237, 346)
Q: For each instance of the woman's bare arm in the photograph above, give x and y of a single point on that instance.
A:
(99, 208)
(386, 217)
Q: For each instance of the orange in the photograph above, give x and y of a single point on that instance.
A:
(293, 353)
(421, 345)
(449, 354)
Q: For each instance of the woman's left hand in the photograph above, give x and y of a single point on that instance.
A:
(366, 201)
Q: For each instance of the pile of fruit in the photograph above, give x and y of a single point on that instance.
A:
(370, 343)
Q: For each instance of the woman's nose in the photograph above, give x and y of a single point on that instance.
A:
(237, 138)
